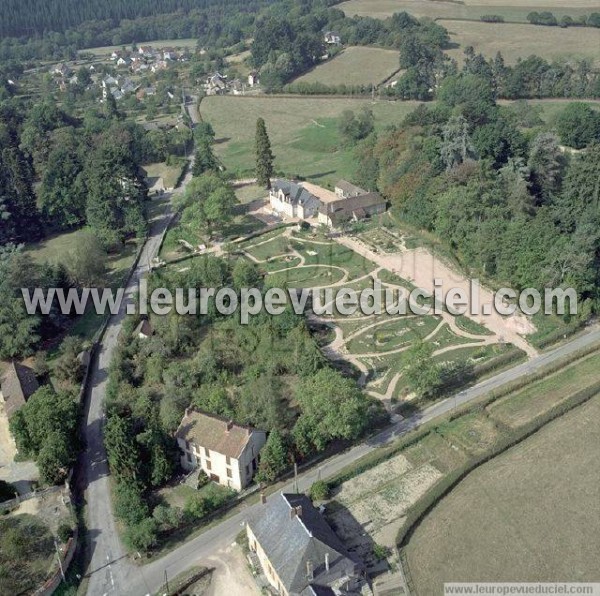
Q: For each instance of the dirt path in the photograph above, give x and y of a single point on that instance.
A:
(420, 267)
(231, 575)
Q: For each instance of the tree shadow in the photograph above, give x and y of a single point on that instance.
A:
(356, 537)
(321, 174)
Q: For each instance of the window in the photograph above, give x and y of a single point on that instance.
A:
(228, 460)
(208, 466)
(229, 473)
(248, 470)
(206, 452)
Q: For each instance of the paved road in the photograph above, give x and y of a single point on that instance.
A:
(109, 568)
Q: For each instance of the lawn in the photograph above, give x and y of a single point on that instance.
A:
(303, 132)
(335, 255)
(393, 334)
(521, 407)
(520, 41)
(169, 174)
(511, 10)
(305, 277)
(527, 515)
(356, 65)
(263, 249)
(250, 192)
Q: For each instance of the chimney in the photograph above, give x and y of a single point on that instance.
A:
(309, 571)
(299, 511)
(263, 497)
(327, 562)
(296, 512)
(229, 425)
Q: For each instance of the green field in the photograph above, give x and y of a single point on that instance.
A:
(303, 132)
(356, 65)
(393, 335)
(189, 43)
(520, 407)
(54, 249)
(520, 41)
(511, 10)
(530, 514)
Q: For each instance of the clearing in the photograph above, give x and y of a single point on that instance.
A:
(537, 504)
(520, 41)
(188, 43)
(303, 131)
(162, 176)
(356, 65)
(473, 10)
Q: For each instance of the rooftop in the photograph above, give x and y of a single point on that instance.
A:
(349, 189)
(324, 195)
(298, 193)
(18, 384)
(214, 433)
(296, 538)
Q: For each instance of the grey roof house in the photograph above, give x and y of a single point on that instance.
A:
(298, 551)
(293, 200)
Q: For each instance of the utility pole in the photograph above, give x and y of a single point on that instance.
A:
(166, 582)
(62, 571)
(296, 477)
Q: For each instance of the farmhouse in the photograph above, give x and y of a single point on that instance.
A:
(226, 451)
(332, 38)
(216, 84)
(298, 551)
(17, 385)
(353, 204)
(253, 78)
(293, 200)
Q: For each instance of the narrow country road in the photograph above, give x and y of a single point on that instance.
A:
(109, 567)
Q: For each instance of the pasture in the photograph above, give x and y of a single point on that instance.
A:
(494, 526)
(303, 132)
(354, 66)
(511, 10)
(520, 41)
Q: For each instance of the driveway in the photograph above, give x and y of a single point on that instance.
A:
(232, 575)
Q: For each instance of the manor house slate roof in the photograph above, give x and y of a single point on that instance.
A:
(295, 537)
(298, 195)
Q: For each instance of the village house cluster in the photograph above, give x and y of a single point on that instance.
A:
(220, 84)
(138, 61)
